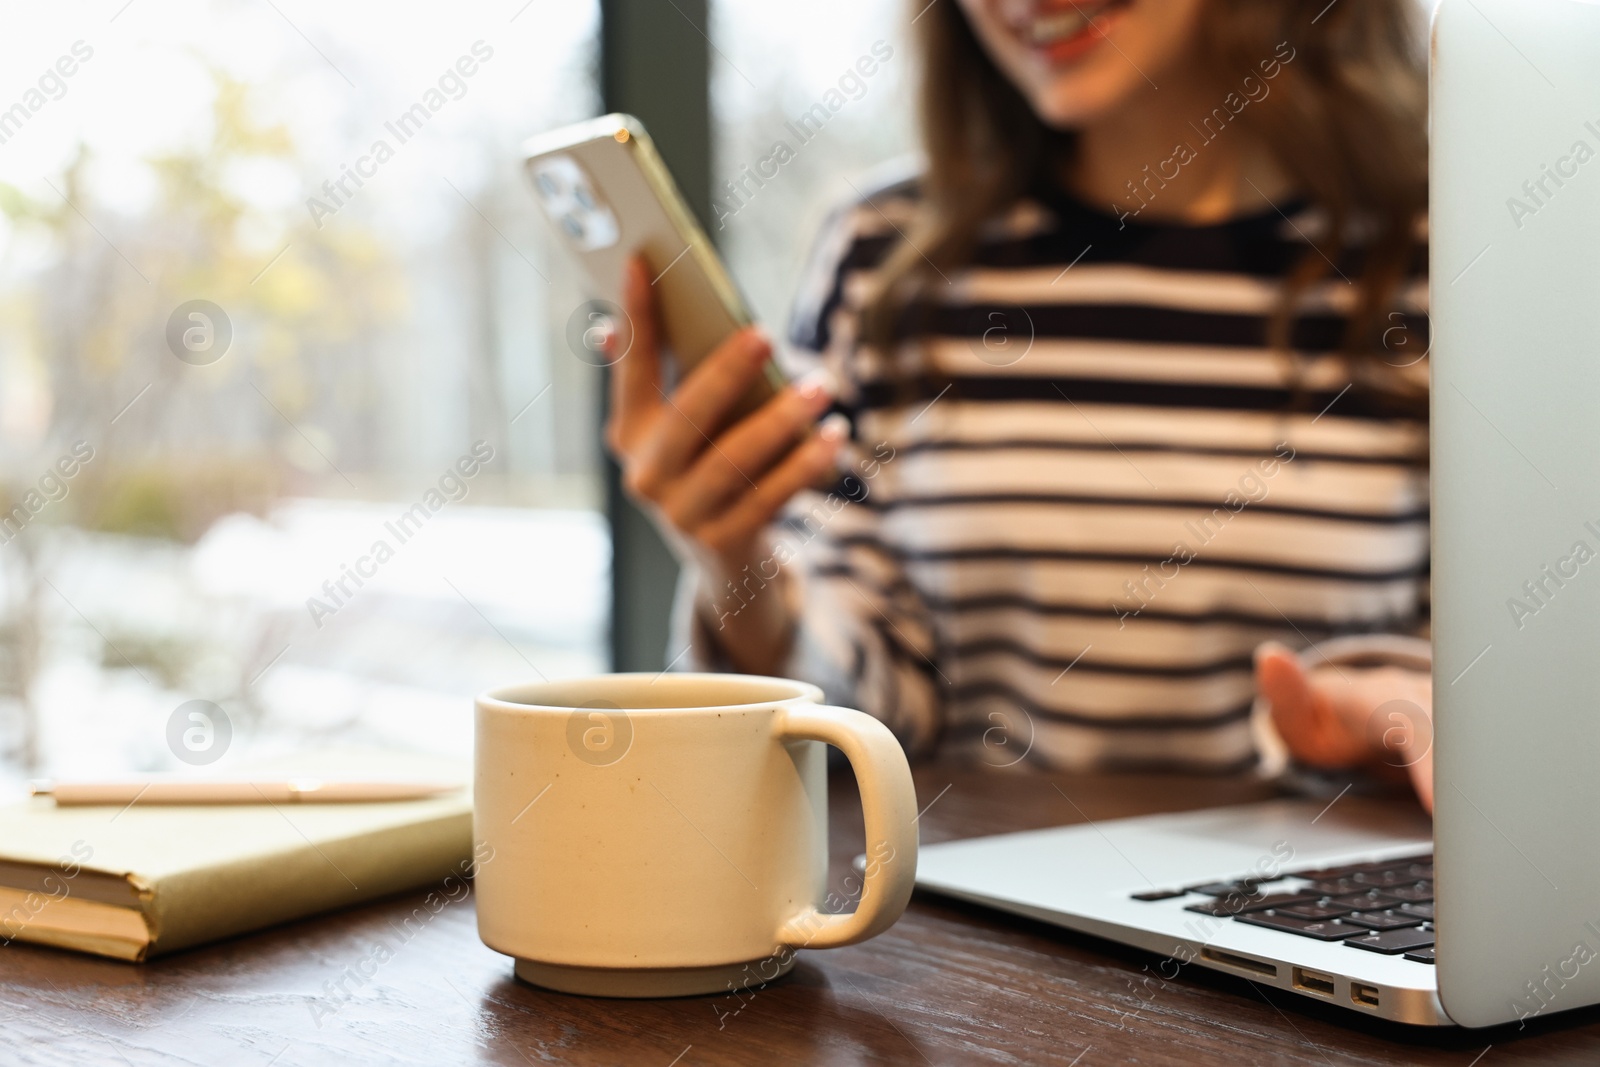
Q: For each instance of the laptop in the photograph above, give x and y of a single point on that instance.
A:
(1491, 914)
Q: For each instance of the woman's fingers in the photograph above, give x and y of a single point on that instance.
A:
(1303, 713)
(689, 420)
(1377, 717)
(743, 520)
(709, 392)
(635, 361)
(718, 490)
(1282, 681)
(745, 452)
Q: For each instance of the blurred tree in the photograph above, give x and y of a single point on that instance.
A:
(292, 406)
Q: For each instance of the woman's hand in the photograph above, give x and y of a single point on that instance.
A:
(1333, 717)
(714, 487)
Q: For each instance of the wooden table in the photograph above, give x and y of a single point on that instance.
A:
(949, 984)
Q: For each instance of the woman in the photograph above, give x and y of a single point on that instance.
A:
(1128, 384)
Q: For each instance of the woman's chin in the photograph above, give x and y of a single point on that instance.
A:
(1075, 104)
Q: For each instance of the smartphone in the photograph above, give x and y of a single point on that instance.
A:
(607, 194)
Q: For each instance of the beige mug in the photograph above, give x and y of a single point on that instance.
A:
(665, 835)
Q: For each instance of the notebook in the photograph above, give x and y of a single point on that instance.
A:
(135, 882)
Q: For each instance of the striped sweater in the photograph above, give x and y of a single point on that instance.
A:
(1090, 489)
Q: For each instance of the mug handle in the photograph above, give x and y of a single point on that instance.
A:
(889, 810)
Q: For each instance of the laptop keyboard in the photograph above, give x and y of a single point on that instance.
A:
(1384, 907)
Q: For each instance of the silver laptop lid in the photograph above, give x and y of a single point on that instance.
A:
(1515, 281)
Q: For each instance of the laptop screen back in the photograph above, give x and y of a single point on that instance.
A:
(1515, 293)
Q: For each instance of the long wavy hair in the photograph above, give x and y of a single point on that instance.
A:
(1346, 120)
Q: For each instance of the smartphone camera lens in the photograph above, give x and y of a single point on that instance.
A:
(573, 204)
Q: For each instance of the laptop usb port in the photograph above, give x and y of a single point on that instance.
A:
(1312, 982)
(1364, 995)
(1243, 963)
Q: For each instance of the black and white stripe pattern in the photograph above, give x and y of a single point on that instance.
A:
(1072, 554)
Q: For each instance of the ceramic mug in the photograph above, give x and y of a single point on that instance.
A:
(666, 834)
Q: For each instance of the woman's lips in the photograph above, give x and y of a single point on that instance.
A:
(1067, 34)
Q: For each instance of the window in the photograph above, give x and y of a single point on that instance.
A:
(800, 128)
(286, 422)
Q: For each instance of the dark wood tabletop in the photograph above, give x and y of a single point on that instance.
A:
(948, 984)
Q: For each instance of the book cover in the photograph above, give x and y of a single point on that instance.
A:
(132, 882)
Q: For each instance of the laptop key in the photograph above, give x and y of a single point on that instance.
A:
(1158, 894)
(1318, 874)
(1414, 893)
(1321, 930)
(1393, 942)
(1345, 870)
(1382, 878)
(1222, 889)
(1371, 900)
(1383, 920)
(1421, 955)
(1317, 908)
(1221, 907)
(1235, 903)
(1281, 901)
(1421, 911)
